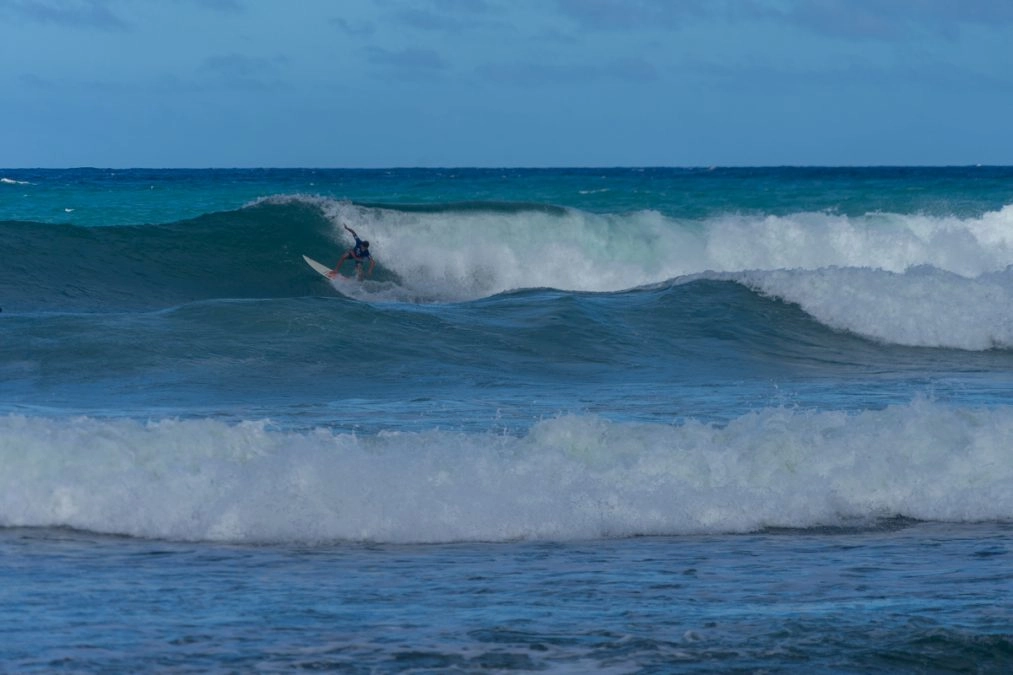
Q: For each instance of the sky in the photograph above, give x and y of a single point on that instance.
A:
(505, 83)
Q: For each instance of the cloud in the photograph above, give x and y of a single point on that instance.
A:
(449, 16)
(357, 29)
(34, 82)
(875, 19)
(468, 6)
(244, 72)
(221, 5)
(850, 19)
(634, 14)
(531, 74)
(73, 13)
(427, 20)
(408, 59)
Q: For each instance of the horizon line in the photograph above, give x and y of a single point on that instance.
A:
(688, 167)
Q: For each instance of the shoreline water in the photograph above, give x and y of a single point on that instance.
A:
(904, 597)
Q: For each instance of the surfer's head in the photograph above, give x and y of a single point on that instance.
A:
(365, 244)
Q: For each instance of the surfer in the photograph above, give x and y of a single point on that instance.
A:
(359, 253)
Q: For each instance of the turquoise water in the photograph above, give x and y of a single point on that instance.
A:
(129, 197)
(609, 420)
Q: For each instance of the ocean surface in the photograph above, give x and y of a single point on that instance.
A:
(578, 420)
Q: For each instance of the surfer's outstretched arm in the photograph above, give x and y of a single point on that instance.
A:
(351, 230)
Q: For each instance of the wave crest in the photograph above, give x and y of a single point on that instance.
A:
(921, 307)
(460, 254)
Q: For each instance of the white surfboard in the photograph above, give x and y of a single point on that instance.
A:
(345, 285)
(319, 267)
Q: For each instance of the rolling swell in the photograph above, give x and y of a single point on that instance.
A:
(908, 280)
(703, 331)
(247, 253)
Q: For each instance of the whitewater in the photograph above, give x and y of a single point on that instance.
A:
(897, 279)
(573, 477)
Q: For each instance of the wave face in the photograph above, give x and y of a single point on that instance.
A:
(539, 354)
(237, 254)
(913, 280)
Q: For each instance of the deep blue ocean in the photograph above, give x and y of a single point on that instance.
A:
(578, 420)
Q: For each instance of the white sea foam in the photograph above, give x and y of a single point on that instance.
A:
(461, 255)
(467, 254)
(567, 478)
(11, 181)
(892, 242)
(922, 306)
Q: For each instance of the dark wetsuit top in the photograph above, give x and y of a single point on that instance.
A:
(359, 253)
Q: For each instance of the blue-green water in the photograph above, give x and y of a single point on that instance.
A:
(130, 197)
(585, 420)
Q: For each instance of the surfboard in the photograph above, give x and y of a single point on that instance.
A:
(322, 269)
(346, 286)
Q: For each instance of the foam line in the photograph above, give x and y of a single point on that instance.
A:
(567, 478)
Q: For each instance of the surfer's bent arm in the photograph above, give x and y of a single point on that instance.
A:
(352, 231)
